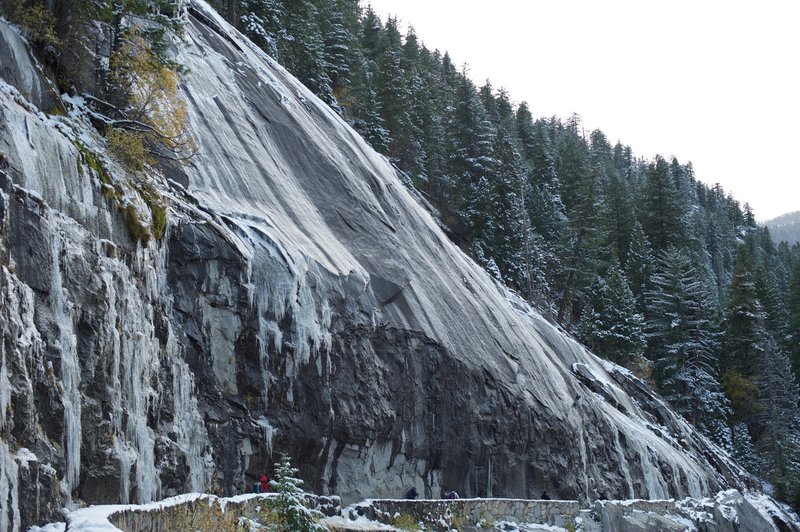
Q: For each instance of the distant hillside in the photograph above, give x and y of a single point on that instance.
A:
(785, 227)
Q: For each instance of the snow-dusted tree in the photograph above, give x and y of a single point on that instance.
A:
(546, 219)
(338, 42)
(303, 50)
(610, 325)
(260, 20)
(365, 110)
(744, 321)
(618, 217)
(580, 192)
(471, 159)
(639, 266)
(682, 345)
(662, 216)
(505, 217)
(777, 423)
(293, 515)
(793, 310)
(743, 449)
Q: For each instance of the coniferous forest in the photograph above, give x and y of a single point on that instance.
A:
(642, 262)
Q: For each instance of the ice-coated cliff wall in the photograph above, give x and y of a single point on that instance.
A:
(301, 299)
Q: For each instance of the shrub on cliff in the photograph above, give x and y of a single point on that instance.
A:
(151, 117)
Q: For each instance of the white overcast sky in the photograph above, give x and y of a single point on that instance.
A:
(712, 82)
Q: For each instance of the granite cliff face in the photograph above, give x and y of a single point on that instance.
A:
(301, 299)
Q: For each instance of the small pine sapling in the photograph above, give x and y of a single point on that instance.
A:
(293, 515)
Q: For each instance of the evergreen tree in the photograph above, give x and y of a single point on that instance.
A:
(777, 427)
(504, 214)
(639, 266)
(744, 321)
(370, 35)
(743, 449)
(303, 50)
(610, 325)
(682, 345)
(661, 216)
(580, 184)
(573, 165)
(365, 112)
(391, 87)
(618, 218)
(293, 514)
(410, 150)
(793, 336)
(338, 42)
(471, 161)
(261, 22)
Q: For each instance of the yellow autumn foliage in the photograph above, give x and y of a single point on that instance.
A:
(37, 22)
(128, 147)
(155, 115)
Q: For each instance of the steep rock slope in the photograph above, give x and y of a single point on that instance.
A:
(302, 299)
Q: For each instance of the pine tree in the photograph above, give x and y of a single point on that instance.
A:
(611, 326)
(682, 345)
(391, 87)
(338, 42)
(743, 449)
(777, 427)
(366, 110)
(261, 22)
(793, 336)
(744, 321)
(573, 165)
(618, 218)
(472, 160)
(504, 213)
(410, 150)
(290, 506)
(661, 216)
(303, 50)
(580, 191)
(544, 209)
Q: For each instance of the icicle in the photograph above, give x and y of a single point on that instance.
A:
(191, 434)
(70, 369)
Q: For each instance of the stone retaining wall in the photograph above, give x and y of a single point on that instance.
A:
(207, 513)
(468, 512)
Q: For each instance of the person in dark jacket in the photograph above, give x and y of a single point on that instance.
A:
(412, 493)
(545, 496)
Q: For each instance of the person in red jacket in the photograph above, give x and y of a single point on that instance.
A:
(264, 484)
